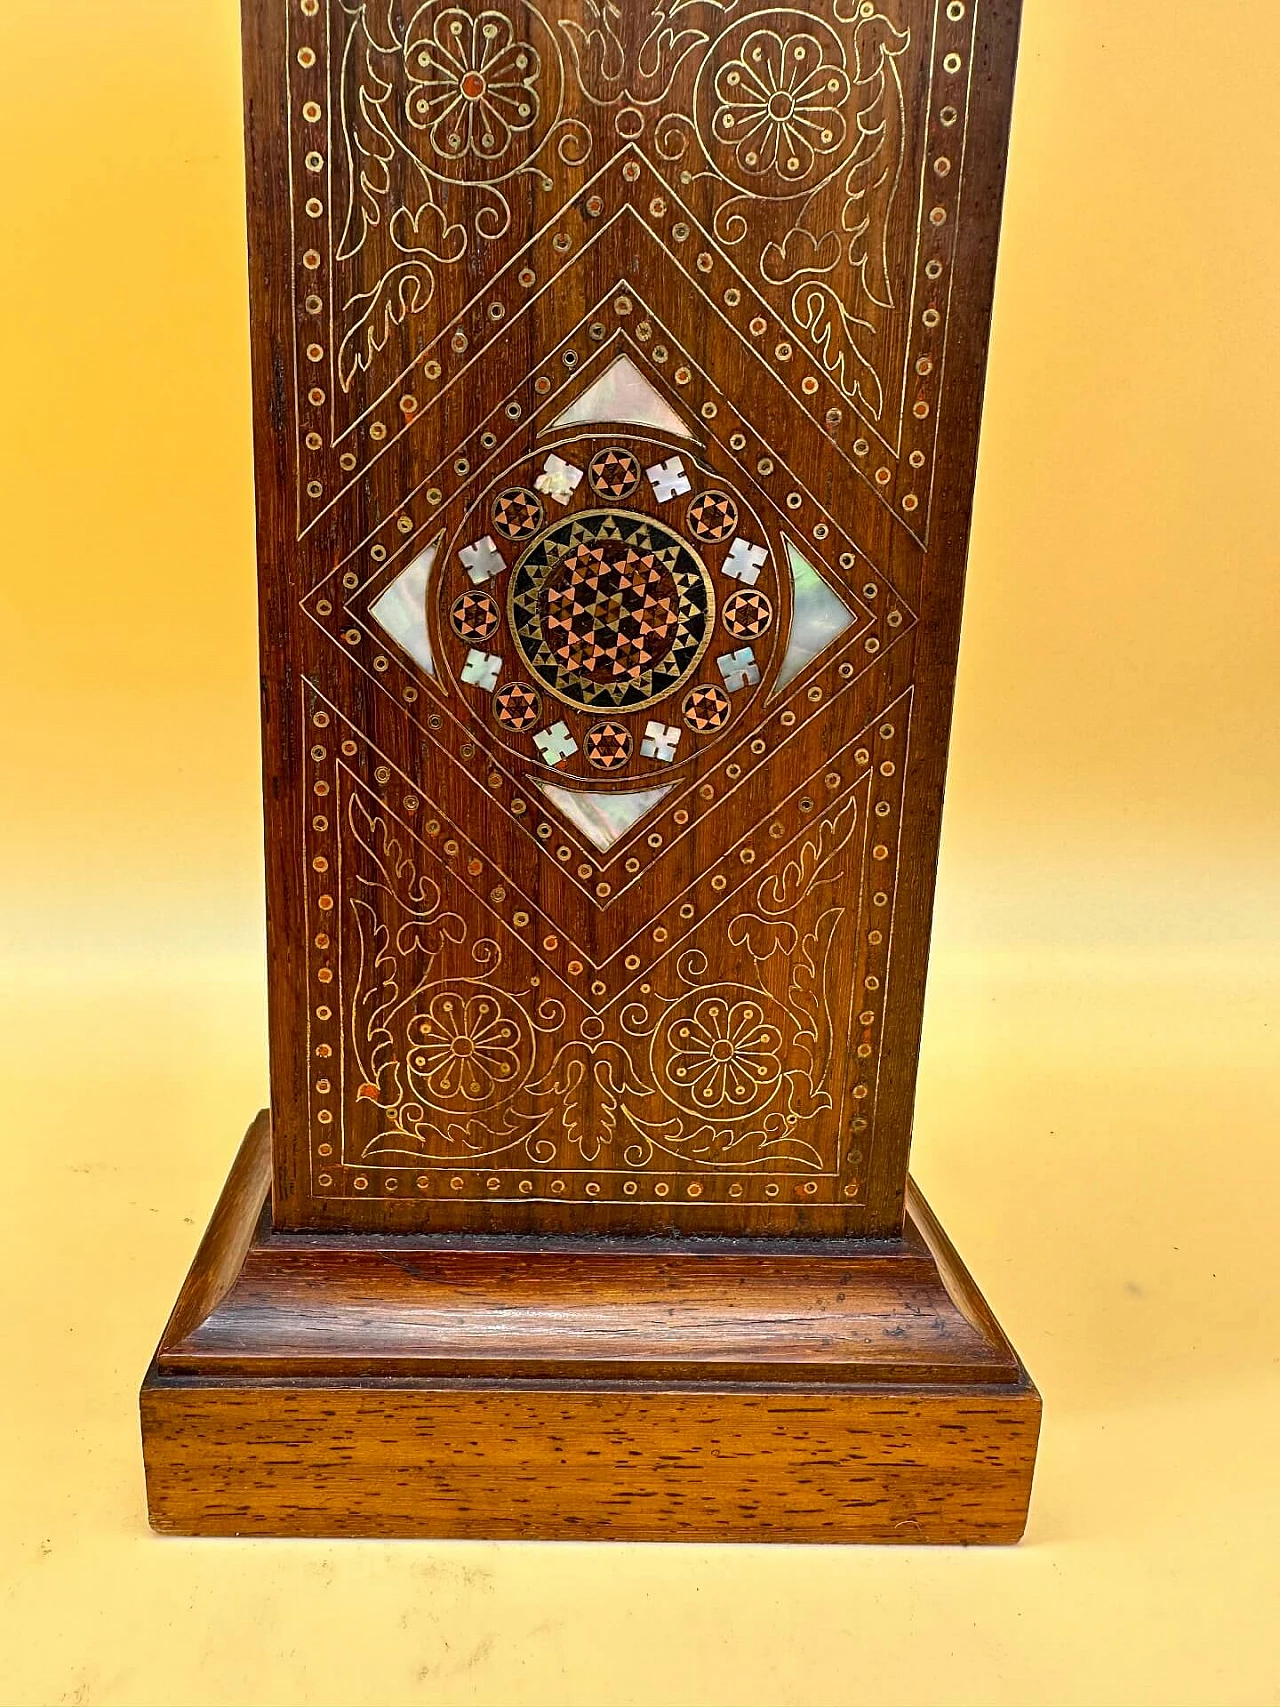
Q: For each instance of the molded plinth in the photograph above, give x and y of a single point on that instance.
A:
(582, 1389)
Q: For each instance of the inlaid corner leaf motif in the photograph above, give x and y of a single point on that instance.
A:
(585, 1086)
(784, 890)
(777, 1134)
(377, 995)
(608, 69)
(803, 1100)
(368, 149)
(835, 334)
(414, 1131)
(875, 171)
(419, 928)
(807, 992)
(405, 289)
(417, 894)
(762, 937)
(777, 943)
(429, 936)
(800, 252)
(418, 230)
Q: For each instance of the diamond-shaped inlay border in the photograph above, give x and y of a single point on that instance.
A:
(605, 879)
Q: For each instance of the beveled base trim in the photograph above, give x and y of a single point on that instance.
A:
(597, 1389)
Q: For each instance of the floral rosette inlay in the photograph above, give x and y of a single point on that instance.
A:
(779, 105)
(463, 1046)
(724, 1054)
(472, 85)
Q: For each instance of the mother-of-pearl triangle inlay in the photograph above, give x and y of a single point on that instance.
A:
(401, 608)
(819, 616)
(623, 394)
(604, 818)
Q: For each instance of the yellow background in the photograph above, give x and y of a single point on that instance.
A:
(1097, 1122)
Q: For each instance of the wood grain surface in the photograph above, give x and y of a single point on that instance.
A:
(617, 397)
(811, 1466)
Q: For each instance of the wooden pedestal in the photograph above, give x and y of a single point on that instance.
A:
(582, 1390)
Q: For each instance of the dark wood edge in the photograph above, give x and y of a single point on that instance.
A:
(158, 1383)
(842, 1249)
(221, 1253)
(650, 1374)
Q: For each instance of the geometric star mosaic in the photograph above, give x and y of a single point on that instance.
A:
(611, 610)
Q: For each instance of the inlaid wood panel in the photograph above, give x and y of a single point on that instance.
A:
(617, 384)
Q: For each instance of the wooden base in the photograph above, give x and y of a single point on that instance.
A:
(625, 1390)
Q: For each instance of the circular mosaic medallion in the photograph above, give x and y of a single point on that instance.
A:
(706, 708)
(518, 707)
(614, 473)
(475, 616)
(611, 611)
(748, 614)
(517, 513)
(713, 516)
(608, 746)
